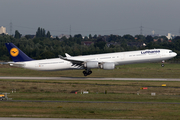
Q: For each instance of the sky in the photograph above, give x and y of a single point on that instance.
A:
(101, 17)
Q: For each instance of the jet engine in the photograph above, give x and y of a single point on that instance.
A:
(91, 64)
(108, 66)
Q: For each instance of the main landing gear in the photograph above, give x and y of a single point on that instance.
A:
(162, 65)
(87, 72)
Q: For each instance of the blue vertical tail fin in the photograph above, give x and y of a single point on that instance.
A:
(16, 54)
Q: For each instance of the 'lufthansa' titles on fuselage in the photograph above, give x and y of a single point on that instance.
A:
(150, 52)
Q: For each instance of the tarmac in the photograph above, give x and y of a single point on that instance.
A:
(89, 78)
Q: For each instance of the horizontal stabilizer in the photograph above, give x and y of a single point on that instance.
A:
(16, 64)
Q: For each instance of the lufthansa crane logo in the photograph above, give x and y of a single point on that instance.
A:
(14, 52)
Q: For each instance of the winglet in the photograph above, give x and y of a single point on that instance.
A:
(67, 55)
(16, 54)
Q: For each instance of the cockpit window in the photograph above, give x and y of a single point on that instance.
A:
(170, 51)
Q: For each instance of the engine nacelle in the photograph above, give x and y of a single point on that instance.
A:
(91, 64)
(108, 66)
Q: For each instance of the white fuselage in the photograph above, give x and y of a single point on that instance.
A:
(118, 58)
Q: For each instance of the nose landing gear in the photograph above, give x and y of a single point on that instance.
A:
(162, 65)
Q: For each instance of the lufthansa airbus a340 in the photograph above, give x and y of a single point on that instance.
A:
(106, 61)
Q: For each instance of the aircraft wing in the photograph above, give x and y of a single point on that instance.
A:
(74, 62)
(87, 64)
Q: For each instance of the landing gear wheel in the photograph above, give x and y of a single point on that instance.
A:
(89, 72)
(86, 72)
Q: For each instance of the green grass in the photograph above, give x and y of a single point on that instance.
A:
(125, 91)
(93, 110)
(146, 70)
(117, 91)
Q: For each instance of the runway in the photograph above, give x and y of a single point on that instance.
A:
(89, 78)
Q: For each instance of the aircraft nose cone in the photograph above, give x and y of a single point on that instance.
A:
(175, 54)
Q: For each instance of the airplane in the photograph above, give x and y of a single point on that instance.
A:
(106, 61)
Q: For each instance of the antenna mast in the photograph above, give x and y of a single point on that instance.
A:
(70, 30)
(141, 30)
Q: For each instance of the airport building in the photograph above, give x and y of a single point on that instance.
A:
(3, 30)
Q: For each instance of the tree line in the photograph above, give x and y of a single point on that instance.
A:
(42, 46)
